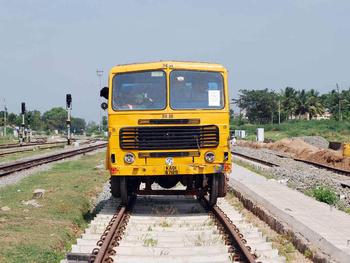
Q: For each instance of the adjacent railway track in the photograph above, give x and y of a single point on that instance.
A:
(325, 167)
(171, 229)
(255, 159)
(9, 146)
(18, 166)
(318, 165)
(32, 150)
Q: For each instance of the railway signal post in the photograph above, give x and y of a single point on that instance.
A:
(68, 107)
(21, 133)
(3, 124)
(5, 111)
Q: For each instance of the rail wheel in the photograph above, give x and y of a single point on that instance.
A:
(115, 186)
(222, 184)
(214, 190)
(198, 181)
(124, 190)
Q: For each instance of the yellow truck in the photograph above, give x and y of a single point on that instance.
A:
(168, 122)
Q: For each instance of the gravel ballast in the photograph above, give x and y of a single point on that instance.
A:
(301, 176)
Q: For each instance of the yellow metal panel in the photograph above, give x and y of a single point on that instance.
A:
(346, 150)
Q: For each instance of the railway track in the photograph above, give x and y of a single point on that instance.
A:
(269, 164)
(318, 165)
(18, 166)
(32, 150)
(171, 229)
(9, 146)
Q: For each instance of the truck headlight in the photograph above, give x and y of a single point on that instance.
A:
(209, 157)
(129, 158)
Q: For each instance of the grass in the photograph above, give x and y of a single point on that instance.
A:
(323, 194)
(44, 234)
(202, 240)
(149, 241)
(331, 130)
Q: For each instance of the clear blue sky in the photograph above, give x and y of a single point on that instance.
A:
(51, 48)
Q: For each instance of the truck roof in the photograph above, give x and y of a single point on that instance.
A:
(205, 66)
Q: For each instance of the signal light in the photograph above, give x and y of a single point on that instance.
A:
(23, 107)
(28, 116)
(2, 122)
(69, 100)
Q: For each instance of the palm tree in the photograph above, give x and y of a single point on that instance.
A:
(302, 102)
(315, 107)
(346, 103)
(289, 100)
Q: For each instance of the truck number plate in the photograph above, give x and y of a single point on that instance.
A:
(171, 170)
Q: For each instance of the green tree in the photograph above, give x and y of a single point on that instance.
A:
(331, 102)
(78, 124)
(302, 102)
(55, 119)
(345, 97)
(315, 106)
(104, 123)
(90, 125)
(289, 101)
(36, 122)
(258, 104)
(11, 117)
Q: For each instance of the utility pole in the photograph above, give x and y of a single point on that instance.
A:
(271, 117)
(5, 111)
(279, 112)
(340, 115)
(29, 131)
(99, 74)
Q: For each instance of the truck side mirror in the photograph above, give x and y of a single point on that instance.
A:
(104, 92)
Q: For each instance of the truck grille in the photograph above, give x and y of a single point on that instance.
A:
(165, 138)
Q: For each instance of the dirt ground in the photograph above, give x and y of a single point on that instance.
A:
(303, 150)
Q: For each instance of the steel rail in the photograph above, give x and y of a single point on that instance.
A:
(51, 147)
(319, 165)
(32, 150)
(112, 234)
(232, 231)
(15, 152)
(255, 159)
(11, 168)
(326, 167)
(9, 146)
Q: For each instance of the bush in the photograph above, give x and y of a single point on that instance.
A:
(325, 194)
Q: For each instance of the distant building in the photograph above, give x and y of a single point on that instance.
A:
(305, 116)
(237, 116)
(325, 116)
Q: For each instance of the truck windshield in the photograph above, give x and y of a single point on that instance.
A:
(144, 90)
(196, 90)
